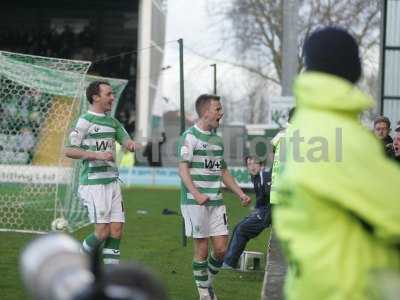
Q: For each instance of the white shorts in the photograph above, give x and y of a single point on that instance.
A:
(204, 221)
(103, 201)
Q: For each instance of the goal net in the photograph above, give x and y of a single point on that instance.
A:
(40, 98)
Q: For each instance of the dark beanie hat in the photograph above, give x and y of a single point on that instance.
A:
(334, 51)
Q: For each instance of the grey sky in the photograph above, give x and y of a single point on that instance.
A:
(189, 20)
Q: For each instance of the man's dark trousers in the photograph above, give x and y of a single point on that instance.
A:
(248, 228)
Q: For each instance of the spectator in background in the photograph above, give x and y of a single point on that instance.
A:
(87, 38)
(259, 219)
(338, 217)
(153, 151)
(382, 130)
(26, 142)
(396, 143)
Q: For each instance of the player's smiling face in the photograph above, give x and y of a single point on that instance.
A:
(105, 99)
(214, 114)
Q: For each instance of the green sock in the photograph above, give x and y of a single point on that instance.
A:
(90, 242)
(200, 273)
(214, 265)
(111, 251)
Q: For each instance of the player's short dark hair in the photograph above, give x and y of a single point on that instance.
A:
(382, 119)
(255, 158)
(94, 89)
(204, 100)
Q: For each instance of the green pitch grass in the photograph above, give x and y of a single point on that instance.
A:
(24, 206)
(154, 240)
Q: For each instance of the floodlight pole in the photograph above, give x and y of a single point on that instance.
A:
(289, 45)
(214, 66)
(182, 114)
(181, 86)
(273, 289)
(382, 65)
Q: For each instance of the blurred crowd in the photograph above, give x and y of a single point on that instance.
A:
(50, 42)
(21, 116)
(68, 44)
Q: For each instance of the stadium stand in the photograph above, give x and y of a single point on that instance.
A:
(110, 51)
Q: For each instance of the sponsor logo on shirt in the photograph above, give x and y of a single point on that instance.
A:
(104, 145)
(212, 164)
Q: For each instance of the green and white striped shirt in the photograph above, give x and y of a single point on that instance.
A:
(98, 133)
(203, 151)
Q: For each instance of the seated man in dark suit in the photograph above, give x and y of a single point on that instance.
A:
(259, 218)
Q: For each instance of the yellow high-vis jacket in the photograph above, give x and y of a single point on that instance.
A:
(338, 216)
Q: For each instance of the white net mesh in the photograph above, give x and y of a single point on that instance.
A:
(38, 101)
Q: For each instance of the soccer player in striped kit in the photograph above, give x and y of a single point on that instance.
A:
(202, 170)
(93, 142)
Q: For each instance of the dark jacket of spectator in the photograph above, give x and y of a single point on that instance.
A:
(262, 188)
